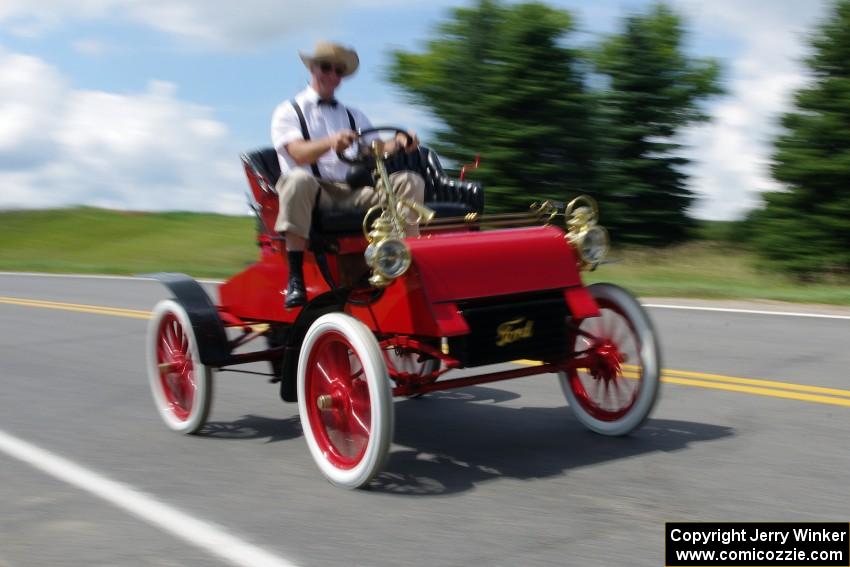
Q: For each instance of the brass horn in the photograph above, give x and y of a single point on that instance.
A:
(389, 226)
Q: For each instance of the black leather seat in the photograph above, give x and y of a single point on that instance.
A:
(446, 196)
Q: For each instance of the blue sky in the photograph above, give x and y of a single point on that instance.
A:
(146, 104)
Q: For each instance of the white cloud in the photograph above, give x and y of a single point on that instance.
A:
(226, 23)
(29, 96)
(213, 23)
(52, 136)
(34, 17)
(732, 153)
(141, 151)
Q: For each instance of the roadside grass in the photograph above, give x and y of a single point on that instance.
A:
(88, 240)
(710, 270)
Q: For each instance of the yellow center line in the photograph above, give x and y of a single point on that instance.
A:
(76, 307)
(759, 391)
(683, 374)
(770, 388)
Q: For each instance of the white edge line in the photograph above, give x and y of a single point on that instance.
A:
(747, 311)
(652, 305)
(211, 538)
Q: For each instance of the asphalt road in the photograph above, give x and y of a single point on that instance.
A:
(495, 475)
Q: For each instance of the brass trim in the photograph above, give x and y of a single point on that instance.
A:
(392, 222)
(538, 213)
(380, 278)
(581, 216)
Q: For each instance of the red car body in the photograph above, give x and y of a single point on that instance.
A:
(471, 297)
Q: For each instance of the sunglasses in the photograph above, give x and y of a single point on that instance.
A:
(327, 67)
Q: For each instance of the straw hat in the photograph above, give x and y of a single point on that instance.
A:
(332, 53)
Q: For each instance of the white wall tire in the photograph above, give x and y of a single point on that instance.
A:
(180, 384)
(344, 400)
(617, 397)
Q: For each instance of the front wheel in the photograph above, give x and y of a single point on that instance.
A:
(180, 384)
(618, 388)
(344, 400)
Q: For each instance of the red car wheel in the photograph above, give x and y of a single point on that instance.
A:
(617, 389)
(344, 400)
(180, 384)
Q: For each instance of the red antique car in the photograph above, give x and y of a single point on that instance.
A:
(388, 315)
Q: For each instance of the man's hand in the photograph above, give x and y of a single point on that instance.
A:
(305, 152)
(341, 140)
(408, 142)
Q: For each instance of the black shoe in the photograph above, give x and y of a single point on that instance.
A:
(296, 295)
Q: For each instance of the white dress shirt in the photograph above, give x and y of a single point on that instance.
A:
(322, 120)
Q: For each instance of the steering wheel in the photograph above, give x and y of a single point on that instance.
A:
(362, 153)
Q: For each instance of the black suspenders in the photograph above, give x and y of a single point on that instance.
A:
(306, 133)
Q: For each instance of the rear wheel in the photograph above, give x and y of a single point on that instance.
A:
(617, 390)
(344, 400)
(180, 384)
(415, 364)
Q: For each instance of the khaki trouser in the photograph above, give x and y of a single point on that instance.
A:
(297, 194)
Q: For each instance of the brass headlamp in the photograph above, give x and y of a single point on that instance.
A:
(588, 238)
(387, 254)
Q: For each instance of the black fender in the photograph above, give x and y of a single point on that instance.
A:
(329, 302)
(209, 330)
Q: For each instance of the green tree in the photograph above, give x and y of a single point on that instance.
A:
(503, 84)
(654, 90)
(805, 228)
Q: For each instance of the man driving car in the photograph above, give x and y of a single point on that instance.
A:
(308, 132)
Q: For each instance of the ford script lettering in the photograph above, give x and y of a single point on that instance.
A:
(513, 331)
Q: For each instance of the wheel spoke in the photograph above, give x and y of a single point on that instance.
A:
(606, 396)
(323, 372)
(358, 425)
(620, 334)
(594, 328)
(184, 341)
(597, 385)
(165, 349)
(613, 324)
(163, 353)
(603, 324)
(168, 339)
(621, 391)
(342, 362)
(172, 335)
(354, 363)
(361, 409)
(334, 363)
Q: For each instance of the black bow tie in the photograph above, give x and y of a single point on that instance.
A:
(332, 102)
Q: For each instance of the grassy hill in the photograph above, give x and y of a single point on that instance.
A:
(87, 240)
